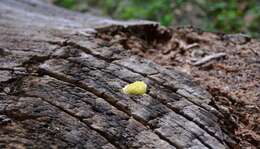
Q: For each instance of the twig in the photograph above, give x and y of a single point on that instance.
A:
(187, 47)
(251, 49)
(208, 58)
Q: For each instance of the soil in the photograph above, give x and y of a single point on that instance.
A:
(232, 76)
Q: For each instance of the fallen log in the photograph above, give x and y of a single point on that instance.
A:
(60, 87)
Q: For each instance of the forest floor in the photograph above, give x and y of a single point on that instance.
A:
(227, 66)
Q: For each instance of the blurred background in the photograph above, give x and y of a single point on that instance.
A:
(228, 16)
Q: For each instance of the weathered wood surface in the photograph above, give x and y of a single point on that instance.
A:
(60, 88)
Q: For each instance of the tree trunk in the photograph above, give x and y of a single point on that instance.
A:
(60, 87)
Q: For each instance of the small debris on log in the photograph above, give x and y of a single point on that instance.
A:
(208, 58)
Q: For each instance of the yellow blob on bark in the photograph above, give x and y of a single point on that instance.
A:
(136, 88)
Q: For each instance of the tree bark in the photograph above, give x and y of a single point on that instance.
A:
(60, 87)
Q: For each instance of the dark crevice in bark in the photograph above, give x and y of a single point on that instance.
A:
(169, 141)
(148, 33)
(86, 50)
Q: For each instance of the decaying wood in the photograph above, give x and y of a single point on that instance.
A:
(60, 87)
